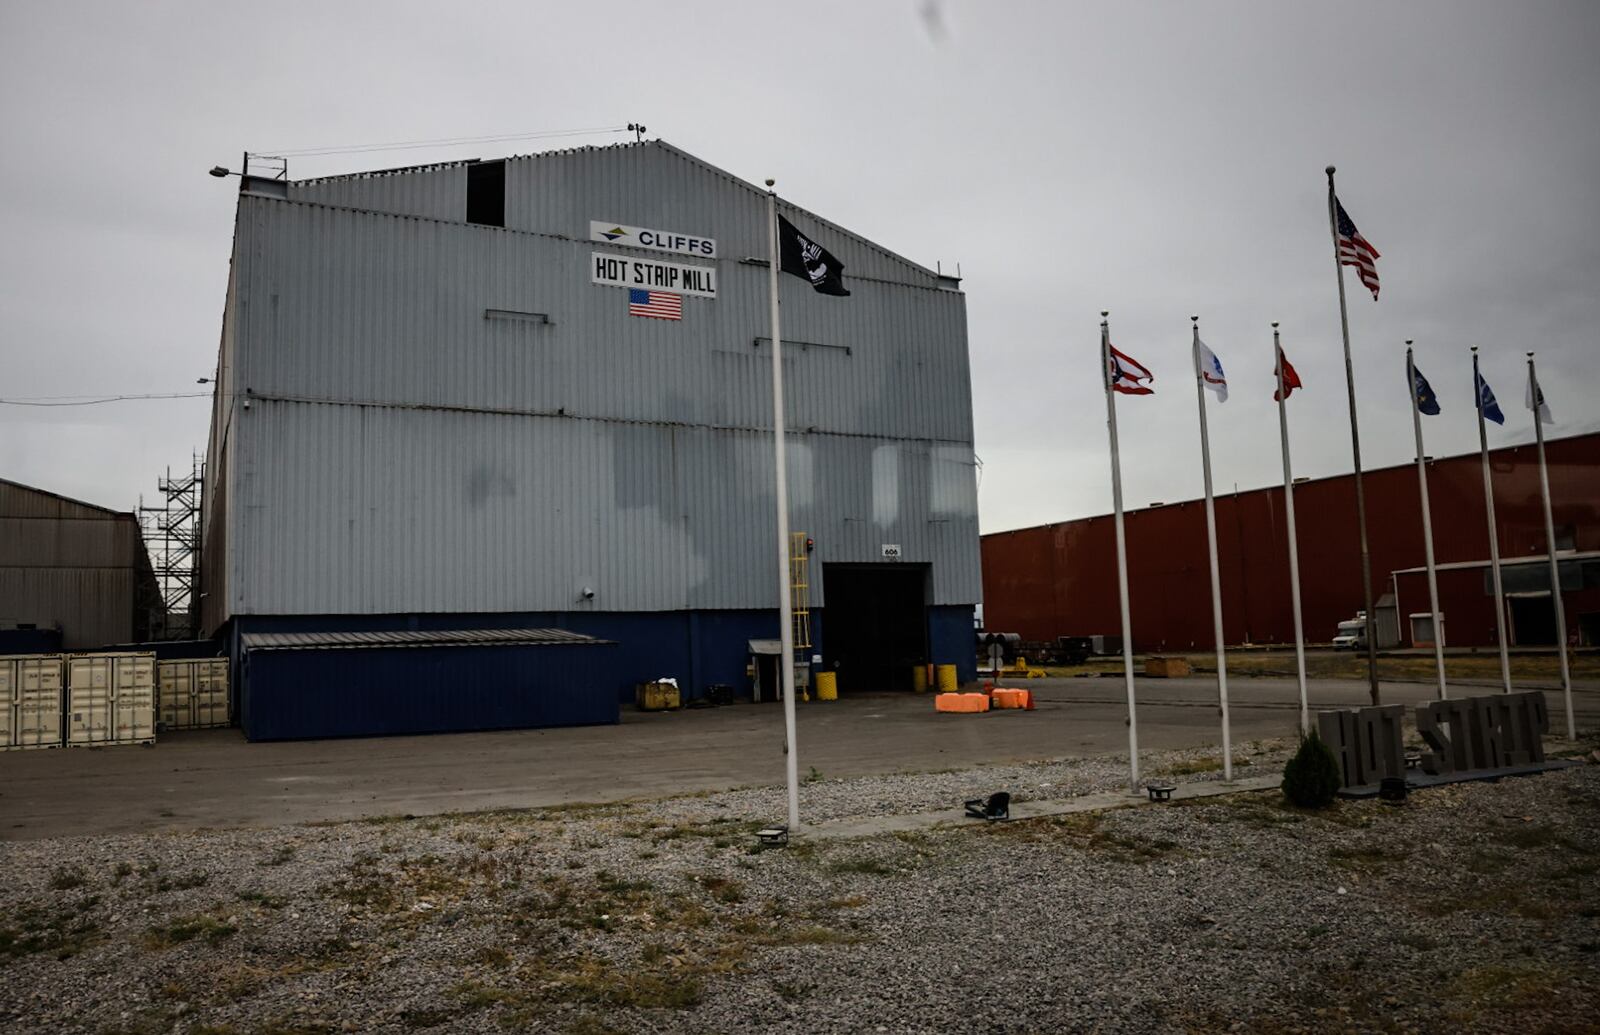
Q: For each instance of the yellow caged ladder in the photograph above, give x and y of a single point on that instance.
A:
(800, 593)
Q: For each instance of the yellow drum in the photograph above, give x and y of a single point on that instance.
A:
(919, 678)
(948, 683)
(827, 686)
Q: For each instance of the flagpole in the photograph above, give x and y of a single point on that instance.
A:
(785, 604)
(1494, 532)
(1122, 553)
(1211, 545)
(1550, 548)
(1355, 448)
(1294, 549)
(1427, 524)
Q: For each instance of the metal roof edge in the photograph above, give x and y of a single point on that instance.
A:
(453, 163)
(541, 636)
(868, 242)
(658, 143)
(67, 499)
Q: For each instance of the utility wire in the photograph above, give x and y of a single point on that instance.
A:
(81, 400)
(406, 145)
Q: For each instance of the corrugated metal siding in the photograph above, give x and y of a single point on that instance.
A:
(627, 455)
(439, 192)
(1060, 580)
(93, 606)
(348, 305)
(371, 509)
(649, 184)
(24, 501)
(67, 542)
(69, 564)
(656, 185)
(216, 562)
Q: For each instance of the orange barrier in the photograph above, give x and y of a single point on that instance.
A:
(1008, 698)
(961, 703)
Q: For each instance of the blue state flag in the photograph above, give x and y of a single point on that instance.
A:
(1486, 403)
(1427, 402)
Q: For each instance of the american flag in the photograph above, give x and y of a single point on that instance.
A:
(1357, 251)
(659, 304)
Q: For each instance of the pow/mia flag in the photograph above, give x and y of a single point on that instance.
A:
(809, 261)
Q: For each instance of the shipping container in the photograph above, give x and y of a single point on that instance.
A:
(31, 701)
(111, 699)
(192, 693)
(304, 685)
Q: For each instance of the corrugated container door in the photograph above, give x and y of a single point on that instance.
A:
(89, 699)
(10, 700)
(173, 694)
(134, 699)
(40, 702)
(111, 699)
(210, 682)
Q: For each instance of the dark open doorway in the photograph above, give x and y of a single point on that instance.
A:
(875, 624)
(1533, 620)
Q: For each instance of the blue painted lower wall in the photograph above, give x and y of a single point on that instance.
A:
(698, 648)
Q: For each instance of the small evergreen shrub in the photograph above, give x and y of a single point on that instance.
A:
(1312, 777)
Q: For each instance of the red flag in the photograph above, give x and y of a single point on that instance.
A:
(1291, 380)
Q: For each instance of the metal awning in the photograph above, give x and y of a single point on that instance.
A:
(1563, 558)
(766, 646)
(417, 638)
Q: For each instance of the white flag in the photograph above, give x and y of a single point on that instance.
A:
(1211, 374)
(1535, 401)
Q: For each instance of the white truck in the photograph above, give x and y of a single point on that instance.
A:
(1352, 634)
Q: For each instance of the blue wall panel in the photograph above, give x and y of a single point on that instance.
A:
(294, 694)
(30, 641)
(950, 640)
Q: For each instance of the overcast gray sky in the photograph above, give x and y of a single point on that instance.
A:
(1156, 160)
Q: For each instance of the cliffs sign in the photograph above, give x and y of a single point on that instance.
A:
(655, 240)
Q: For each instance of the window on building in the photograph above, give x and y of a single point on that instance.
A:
(486, 193)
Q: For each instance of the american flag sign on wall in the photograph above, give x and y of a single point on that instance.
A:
(662, 305)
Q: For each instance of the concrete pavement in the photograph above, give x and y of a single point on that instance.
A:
(213, 778)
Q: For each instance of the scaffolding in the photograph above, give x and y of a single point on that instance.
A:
(172, 538)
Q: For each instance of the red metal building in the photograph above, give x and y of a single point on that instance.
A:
(1061, 579)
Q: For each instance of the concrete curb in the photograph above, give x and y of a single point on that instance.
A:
(873, 826)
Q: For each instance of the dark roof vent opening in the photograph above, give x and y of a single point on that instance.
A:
(486, 193)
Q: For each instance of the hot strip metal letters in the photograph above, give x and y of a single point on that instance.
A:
(625, 271)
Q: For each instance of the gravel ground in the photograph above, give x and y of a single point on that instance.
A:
(1474, 907)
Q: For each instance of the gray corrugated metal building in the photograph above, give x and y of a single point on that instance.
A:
(423, 421)
(75, 568)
